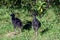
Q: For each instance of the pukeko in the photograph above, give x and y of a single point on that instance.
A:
(35, 23)
(16, 22)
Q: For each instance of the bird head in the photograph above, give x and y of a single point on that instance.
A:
(13, 15)
(34, 12)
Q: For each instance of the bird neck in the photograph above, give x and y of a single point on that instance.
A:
(34, 17)
(13, 17)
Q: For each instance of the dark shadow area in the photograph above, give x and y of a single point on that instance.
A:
(57, 2)
(27, 26)
(39, 24)
(44, 31)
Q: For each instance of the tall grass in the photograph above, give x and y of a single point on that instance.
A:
(49, 20)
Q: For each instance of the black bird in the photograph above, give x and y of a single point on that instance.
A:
(35, 23)
(28, 25)
(16, 22)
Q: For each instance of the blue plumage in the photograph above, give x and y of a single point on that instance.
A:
(16, 22)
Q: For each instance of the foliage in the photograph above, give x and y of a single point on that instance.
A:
(50, 21)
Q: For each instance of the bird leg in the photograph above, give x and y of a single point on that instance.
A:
(36, 33)
(35, 37)
(19, 30)
(15, 31)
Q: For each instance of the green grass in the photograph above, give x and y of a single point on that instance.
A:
(49, 20)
